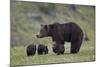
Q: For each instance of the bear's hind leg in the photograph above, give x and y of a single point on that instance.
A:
(75, 47)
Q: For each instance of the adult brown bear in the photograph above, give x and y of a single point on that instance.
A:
(60, 33)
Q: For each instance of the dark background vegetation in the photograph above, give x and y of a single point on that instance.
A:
(26, 18)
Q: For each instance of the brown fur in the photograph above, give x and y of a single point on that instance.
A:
(69, 32)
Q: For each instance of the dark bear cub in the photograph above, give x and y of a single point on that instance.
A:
(42, 49)
(31, 50)
(58, 48)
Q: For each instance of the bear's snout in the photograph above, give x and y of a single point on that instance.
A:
(38, 36)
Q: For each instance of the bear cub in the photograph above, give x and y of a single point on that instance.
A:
(31, 50)
(42, 49)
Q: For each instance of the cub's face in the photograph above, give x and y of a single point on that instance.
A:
(43, 31)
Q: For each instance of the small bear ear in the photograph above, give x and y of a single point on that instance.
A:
(42, 25)
(47, 27)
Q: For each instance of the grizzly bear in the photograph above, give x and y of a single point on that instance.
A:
(58, 48)
(31, 50)
(42, 49)
(61, 33)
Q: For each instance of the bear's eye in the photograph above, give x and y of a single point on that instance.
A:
(43, 31)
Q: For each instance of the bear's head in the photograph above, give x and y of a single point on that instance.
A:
(44, 31)
(51, 30)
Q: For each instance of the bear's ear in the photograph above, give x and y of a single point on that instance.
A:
(47, 27)
(42, 25)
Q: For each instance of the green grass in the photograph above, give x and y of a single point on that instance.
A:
(19, 57)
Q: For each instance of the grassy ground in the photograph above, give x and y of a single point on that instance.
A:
(26, 18)
(19, 57)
